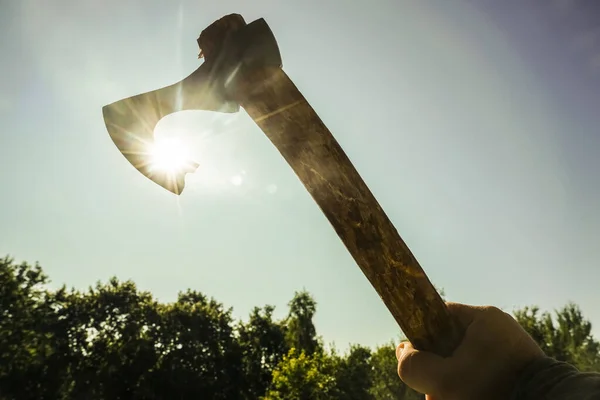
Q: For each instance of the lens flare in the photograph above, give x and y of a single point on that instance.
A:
(168, 155)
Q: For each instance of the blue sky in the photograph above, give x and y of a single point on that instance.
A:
(475, 125)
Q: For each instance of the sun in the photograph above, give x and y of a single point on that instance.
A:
(168, 155)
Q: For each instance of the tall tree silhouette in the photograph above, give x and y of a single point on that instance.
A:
(301, 333)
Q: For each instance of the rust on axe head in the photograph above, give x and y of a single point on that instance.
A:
(242, 67)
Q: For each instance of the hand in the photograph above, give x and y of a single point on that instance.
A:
(484, 366)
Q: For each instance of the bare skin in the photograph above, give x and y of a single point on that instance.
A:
(494, 350)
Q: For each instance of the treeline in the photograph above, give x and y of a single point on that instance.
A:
(114, 341)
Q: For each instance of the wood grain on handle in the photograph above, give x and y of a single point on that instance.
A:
(295, 129)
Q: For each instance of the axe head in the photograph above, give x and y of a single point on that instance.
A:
(229, 47)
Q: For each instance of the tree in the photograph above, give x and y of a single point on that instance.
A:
(110, 336)
(386, 385)
(300, 329)
(29, 364)
(112, 342)
(263, 344)
(567, 337)
(199, 355)
(354, 375)
(300, 376)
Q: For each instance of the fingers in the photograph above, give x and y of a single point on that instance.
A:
(486, 348)
(465, 314)
(422, 371)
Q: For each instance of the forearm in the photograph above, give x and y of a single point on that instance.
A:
(549, 379)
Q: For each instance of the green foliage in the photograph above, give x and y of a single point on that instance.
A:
(28, 342)
(566, 337)
(264, 345)
(353, 374)
(385, 384)
(301, 333)
(114, 341)
(300, 377)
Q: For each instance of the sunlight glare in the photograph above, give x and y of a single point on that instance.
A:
(168, 155)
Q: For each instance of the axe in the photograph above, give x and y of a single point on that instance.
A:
(243, 67)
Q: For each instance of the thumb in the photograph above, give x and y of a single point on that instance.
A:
(423, 371)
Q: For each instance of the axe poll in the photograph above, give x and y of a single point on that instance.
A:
(243, 67)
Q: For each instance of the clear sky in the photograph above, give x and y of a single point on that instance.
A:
(474, 123)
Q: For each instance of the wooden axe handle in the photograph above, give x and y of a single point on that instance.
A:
(295, 129)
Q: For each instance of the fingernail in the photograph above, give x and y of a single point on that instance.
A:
(399, 350)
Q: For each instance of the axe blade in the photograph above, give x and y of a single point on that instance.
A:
(130, 122)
